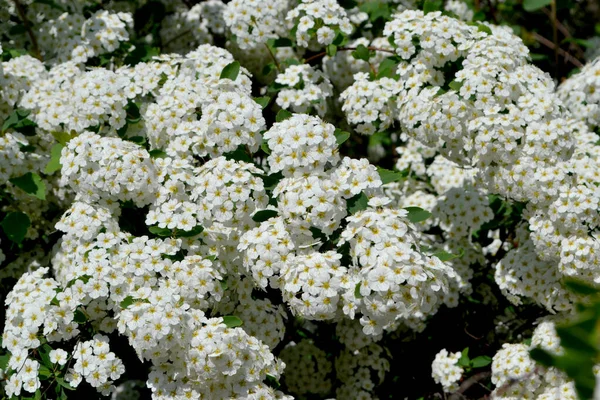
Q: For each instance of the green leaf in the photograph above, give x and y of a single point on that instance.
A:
(139, 140)
(463, 361)
(445, 256)
(64, 384)
(18, 119)
(387, 68)
(231, 321)
(542, 357)
(361, 53)
(79, 317)
(417, 214)
(265, 147)
(31, 184)
(484, 28)
(533, 5)
(15, 226)
(62, 137)
(4, 358)
(272, 382)
(357, 291)
(157, 154)
(231, 71)
(341, 136)
(455, 85)
(198, 229)
(331, 50)
(282, 115)
(357, 203)
(432, 5)
(44, 352)
(481, 361)
(388, 176)
(127, 301)
(579, 287)
(263, 101)
(44, 373)
(160, 231)
(264, 215)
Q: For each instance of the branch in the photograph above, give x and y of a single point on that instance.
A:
(27, 24)
(317, 56)
(568, 57)
(468, 383)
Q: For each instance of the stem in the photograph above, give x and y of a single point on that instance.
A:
(554, 35)
(27, 24)
(568, 57)
(468, 383)
(273, 57)
(322, 54)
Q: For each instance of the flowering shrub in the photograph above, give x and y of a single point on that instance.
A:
(294, 199)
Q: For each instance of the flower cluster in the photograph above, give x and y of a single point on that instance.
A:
(308, 88)
(318, 21)
(253, 22)
(446, 371)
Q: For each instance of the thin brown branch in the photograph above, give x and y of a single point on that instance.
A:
(553, 19)
(564, 30)
(468, 383)
(273, 57)
(27, 25)
(567, 56)
(322, 54)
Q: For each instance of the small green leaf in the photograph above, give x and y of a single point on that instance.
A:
(282, 115)
(198, 229)
(463, 361)
(265, 147)
(264, 215)
(357, 291)
(127, 301)
(62, 137)
(388, 176)
(455, 85)
(481, 361)
(331, 50)
(231, 71)
(15, 226)
(533, 5)
(44, 373)
(157, 153)
(361, 53)
(263, 101)
(160, 231)
(31, 184)
(79, 317)
(445, 256)
(357, 203)
(484, 28)
(63, 383)
(231, 321)
(417, 214)
(341, 136)
(14, 119)
(272, 382)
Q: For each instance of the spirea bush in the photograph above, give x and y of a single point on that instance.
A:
(308, 199)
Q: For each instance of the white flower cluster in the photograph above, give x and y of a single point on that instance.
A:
(109, 168)
(516, 375)
(301, 146)
(361, 371)
(581, 94)
(446, 371)
(394, 281)
(307, 368)
(71, 37)
(371, 105)
(253, 22)
(318, 21)
(308, 89)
